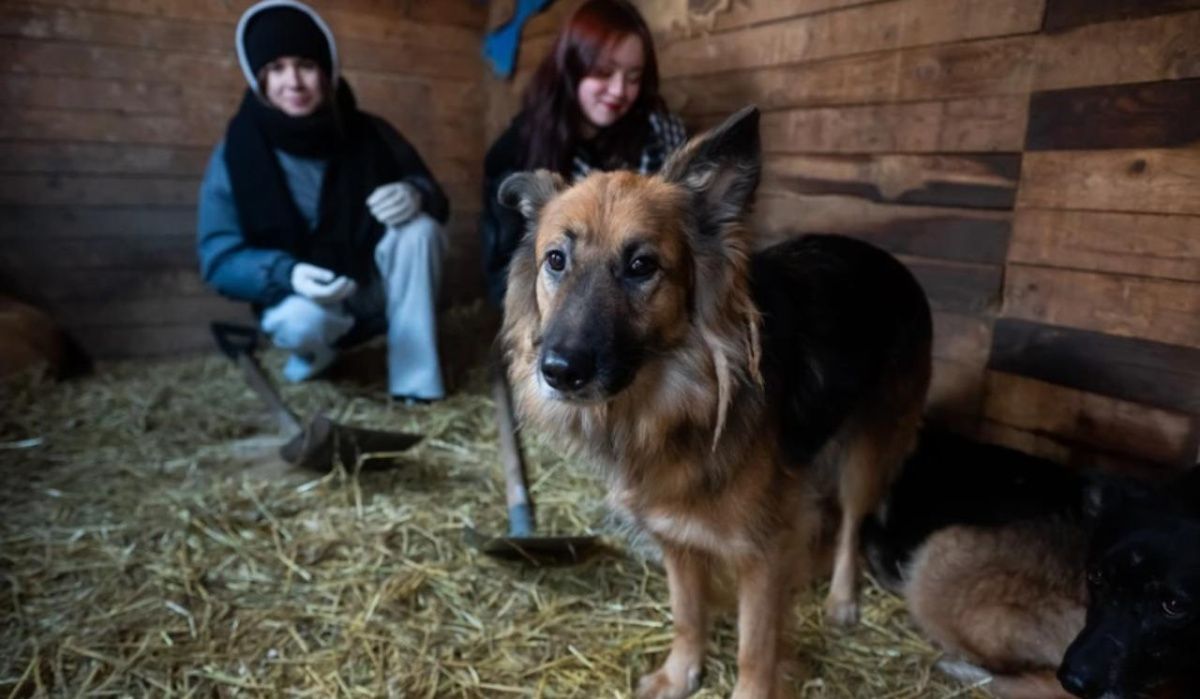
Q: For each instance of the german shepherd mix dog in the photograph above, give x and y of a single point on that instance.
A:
(727, 394)
(1054, 585)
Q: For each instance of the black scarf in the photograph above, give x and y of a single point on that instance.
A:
(358, 161)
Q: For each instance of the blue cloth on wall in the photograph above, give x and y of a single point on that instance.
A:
(500, 47)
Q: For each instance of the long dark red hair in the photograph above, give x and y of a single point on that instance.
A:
(552, 115)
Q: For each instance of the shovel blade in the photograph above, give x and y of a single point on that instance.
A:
(537, 550)
(315, 447)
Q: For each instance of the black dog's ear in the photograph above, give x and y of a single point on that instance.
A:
(528, 192)
(721, 167)
(1106, 495)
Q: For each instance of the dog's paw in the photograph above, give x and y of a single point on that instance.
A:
(661, 685)
(841, 612)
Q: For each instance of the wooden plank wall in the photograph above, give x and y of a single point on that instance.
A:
(1035, 162)
(111, 108)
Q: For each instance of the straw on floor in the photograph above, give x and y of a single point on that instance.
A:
(151, 544)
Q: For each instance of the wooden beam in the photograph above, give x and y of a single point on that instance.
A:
(1132, 369)
(1065, 14)
(1140, 115)
(58, 157)
(963, 339)
(957, 287)
(96, 190)
(969, 125)
(877, 27)
(1143, 181)
(964, 235)
(54, 223)
(972, 181)
(1140, 50)
(1071, 453)
(980, 68)
(1114, 425)
(1152, 309)
(1149, 245)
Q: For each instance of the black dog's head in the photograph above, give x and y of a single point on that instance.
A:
(1142, 637)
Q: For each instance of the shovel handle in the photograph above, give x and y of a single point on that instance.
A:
(521, 521)
(238, 342)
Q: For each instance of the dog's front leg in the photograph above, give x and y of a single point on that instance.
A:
(687, 580)
(762, 611)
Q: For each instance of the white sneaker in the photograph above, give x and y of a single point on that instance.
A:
(302, 367)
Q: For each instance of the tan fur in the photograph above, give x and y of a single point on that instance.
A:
(30, 340)
(1009, 600)
(687, 448)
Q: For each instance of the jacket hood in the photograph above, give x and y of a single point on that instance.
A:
(244, 61)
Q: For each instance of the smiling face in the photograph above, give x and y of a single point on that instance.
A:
(609, 91)
(293, 85)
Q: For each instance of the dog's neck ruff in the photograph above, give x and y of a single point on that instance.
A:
(671, 413)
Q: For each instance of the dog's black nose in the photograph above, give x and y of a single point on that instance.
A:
(1080, 683)
(568, 369)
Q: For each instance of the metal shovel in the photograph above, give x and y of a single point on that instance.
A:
(521, 543)
(313, 445)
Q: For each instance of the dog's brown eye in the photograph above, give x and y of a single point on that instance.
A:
(1174, 608)
(1095, 577)
(642, 266)
(556, 260)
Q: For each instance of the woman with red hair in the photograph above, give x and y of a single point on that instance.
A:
(592, 105)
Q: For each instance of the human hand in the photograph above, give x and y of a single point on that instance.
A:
(395, 203)
(320, 284)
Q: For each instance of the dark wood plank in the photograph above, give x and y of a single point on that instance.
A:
(1147, 245)
(50, 223)
(958, 287)
(1137, 307)
(57, 157)
(1134, 51)
(1132, 369)
(963, 235)
(54, 287)
(84, 190)
(971, 181)
(158, 340)
(170, 249)
(1077, 416)
(1140, 115)
(1065, 14)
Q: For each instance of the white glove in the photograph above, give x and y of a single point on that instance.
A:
(320, 284)
(393, 204)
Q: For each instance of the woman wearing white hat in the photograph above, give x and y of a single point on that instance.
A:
(321, 215)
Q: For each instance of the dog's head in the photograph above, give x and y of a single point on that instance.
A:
(621, 268)
(1142, 636)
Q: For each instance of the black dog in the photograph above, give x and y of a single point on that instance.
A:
(1044, 579)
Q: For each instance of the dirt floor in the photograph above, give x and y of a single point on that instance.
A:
(153, 544)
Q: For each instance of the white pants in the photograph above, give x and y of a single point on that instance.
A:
(409, 259)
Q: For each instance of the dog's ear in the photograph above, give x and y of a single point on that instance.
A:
(721, 168)
(528, 192)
